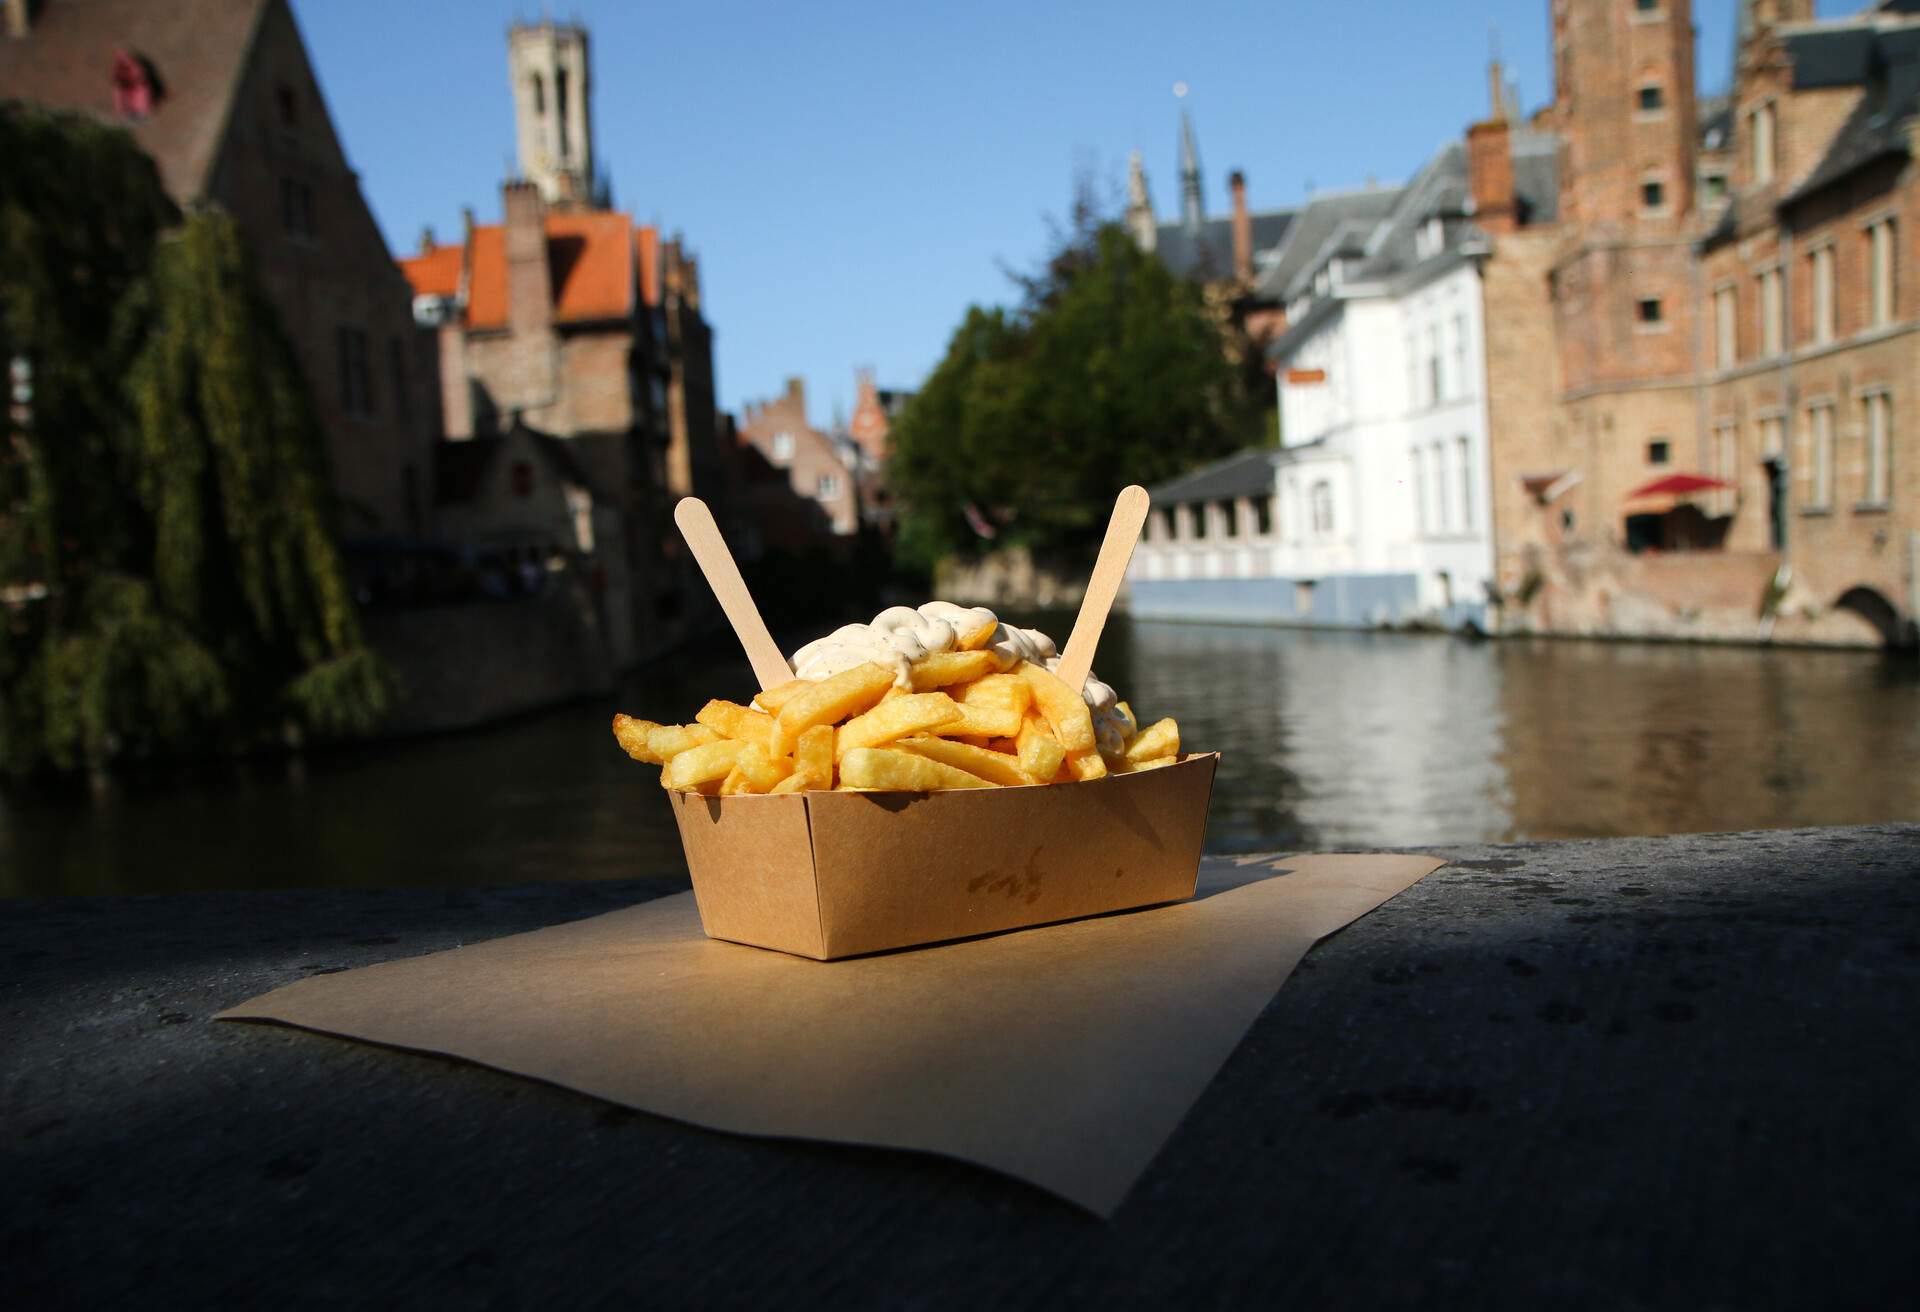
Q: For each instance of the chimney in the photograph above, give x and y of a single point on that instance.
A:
(1490, 175)
(1242, 228)
(427, 243)
(797, 393)
(19, 17)
(529, 279)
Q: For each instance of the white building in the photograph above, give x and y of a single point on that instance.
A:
(1374, 510)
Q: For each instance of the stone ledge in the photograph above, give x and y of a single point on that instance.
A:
(1639, 1071)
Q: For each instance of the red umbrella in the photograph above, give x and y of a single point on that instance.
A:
(1678, 485)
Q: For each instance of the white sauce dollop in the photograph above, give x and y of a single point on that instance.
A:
(900, 635)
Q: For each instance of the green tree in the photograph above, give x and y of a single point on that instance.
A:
(1112, 372)
(168, 575)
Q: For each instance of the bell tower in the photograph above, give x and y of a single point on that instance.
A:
(547, 66)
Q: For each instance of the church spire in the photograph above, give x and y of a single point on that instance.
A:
(1140, 218)
(1192, 208)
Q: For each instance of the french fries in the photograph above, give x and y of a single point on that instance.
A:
(956, 720)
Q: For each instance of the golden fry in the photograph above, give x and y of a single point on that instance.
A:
(703, 764)
(1040, 756)
(667, 741)
(771, 700)
(980, 637)
(793, 783)
(1135, 767)
(947, 667)
(735, 782)
(980, 722)
(829, 702)
(1126, 711)
(994, 767)
(761, 770)
(1160, 739)
(814, 756)
(893, 771)
(631, 734)
(894, 719)
(1065, 709)
(1086, 765)
(1008, 691)
(734, 721)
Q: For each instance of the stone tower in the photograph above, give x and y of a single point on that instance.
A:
(547, 66)
(1193, 210)
(1622, 285)
(1140, 218)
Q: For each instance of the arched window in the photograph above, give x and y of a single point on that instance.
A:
(539, 94)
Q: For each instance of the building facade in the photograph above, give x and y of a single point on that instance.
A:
(1730, 449)
(817, 465)
(1377, 507)
(222, 95)
(566, 322)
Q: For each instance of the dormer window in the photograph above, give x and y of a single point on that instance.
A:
(1429, 238)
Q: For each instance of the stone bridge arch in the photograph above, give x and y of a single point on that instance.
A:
(1871, 605)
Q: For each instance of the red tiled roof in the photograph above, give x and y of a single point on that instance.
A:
(197, 47)
(435, 272)
(647, 243)
(590, 259)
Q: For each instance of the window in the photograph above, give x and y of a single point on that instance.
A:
(1820, 464)
(1648, 310)
(521, 478)
(1653, 195)
(1230, 518)
(1659, 451)
(1463, 452)
(1771, 306)
(1714, 185)
(539, 94)
(356, 382)
(1413, 371)
(1877, 424)
(1442, 513)
(1651, 99)
(397, 368)
(1460, 387)
(1428, 238)
(1263, 515)
(782, 447)
(1772, 436)
(1726, 321)
(1434, 380)
(1419, 492)
(1646, 6)
(1321, 498)
(1760, 135)
(827, 488)
(560, 110)
(296, 208)
(1820, 269)
(1880, 270)
(1726, 465)
(1197, 520)
(284, 103)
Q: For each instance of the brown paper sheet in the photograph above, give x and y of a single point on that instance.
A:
(1063, 1055)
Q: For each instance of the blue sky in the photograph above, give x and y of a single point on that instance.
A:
(853, 175)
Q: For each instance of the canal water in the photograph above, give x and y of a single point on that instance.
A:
(1329, 740)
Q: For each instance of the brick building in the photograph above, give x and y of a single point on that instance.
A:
(570, 322)
(223, 97)
(1732, 323)
(817, 465)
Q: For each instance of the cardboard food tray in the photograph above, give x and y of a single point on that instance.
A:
(832, 874)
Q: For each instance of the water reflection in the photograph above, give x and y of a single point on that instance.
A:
(1329, 739)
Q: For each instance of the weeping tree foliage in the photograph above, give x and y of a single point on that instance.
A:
(1110, 372)
(169, 580)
